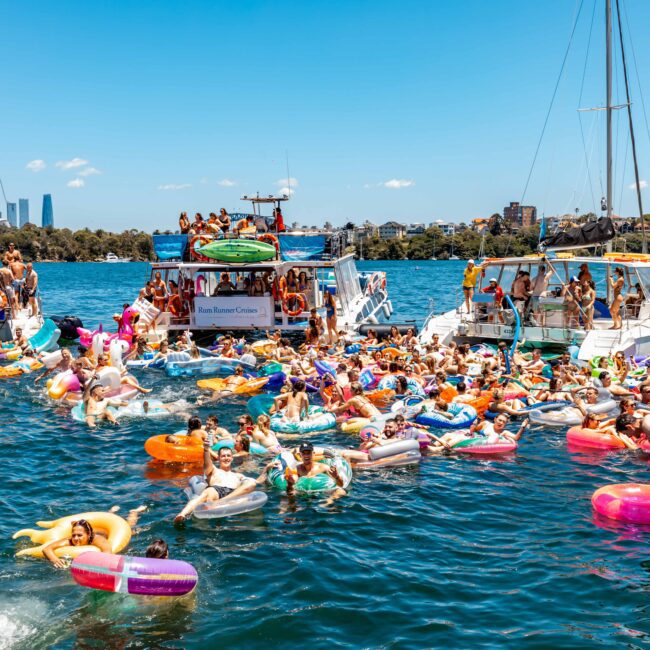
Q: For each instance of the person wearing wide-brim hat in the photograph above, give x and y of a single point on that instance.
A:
(470, 276)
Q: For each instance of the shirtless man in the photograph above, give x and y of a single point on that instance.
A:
(359, 402)
(12, 254)
(223, 483)
(309, 468)
(62, 366)
(31, 286)
(231, 383)
(96, 405)
(17, 271)
(6, 283)
(21, 340)
(263, 435)
(294, 404)
(496, 431)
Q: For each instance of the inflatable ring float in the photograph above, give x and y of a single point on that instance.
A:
(319, 420)
(194, 249)
(463, 416)
(116, 529)
(299, 298)
(628, 502)
(593, 438)
(480, 446)
(306, 484)
(144, 576)
(270, 238)
(216, 509)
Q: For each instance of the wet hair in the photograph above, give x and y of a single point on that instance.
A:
(441, 405)
(402, 383)
(603, 375)
(356, 388)
(393, 367)
(245, 442)
(193, 424)
(298, 387)
(86, 526)
(624, 421)
(461, 386)
(434, 393)
(157, 549)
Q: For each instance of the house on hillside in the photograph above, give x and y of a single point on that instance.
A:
(392, 230)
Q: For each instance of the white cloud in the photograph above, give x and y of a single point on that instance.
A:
(286, 191)
(293, 182)
(642, 185)
(398, 183)
(226, 182)
(77, 183)
(71, 164)
(36, 165)
(89, 171)
(174, 186)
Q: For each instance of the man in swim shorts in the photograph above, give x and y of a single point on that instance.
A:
(309, 468)
(223, 483)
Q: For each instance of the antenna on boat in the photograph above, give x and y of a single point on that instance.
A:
(286, 155)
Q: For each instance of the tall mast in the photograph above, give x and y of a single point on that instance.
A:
(608, 67)
(644, 248)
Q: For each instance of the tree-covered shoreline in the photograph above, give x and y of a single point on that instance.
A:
(64, 245)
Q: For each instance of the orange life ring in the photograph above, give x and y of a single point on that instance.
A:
(203, 240)
(383, 281)
(271, 238)
(301, 304)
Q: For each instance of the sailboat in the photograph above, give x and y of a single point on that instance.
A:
(451, 254)
(545, 321)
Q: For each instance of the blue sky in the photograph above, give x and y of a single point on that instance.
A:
(415, 111)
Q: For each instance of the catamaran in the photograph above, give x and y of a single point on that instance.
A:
(256, 278)
(546, 318)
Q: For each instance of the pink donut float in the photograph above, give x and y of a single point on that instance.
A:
(593, 438)
(629, 502)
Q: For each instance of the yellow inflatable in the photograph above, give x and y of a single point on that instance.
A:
(25, 365)
(116, 529)
(354, 425)
(218, 384)
(264, 348)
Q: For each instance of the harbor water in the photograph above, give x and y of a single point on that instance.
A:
(456, 552)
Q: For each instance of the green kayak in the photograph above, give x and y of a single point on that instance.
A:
(238, 250)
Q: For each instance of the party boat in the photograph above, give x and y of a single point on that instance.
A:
(546, 320)
(215, 277)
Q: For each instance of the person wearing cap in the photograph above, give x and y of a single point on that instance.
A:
(585, 273)
(572, 295)
(307, 467)
(494, 288)
(470, 276)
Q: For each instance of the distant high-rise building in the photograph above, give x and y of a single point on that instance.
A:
(520, 215)
(47, 217)
(23, 211)
(11, 215)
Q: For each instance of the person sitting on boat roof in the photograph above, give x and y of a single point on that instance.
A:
(213, 225)
(184, 224)
(198, 225)
(225, 285)
(224, 220)
(246, 226)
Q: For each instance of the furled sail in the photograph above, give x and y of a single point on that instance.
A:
(592, 233)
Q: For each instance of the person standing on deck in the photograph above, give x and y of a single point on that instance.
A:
(470, 276)
(31, 287)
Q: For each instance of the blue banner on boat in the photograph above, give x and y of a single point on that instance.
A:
(300, 248)
(167, 247)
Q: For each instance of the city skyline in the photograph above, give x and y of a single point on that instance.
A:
(423, 131)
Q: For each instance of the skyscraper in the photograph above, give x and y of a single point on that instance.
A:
(47, 216)
(11, 215)
(23, 211)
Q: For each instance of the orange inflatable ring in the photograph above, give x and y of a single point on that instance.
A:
(299, 309)
(447, 394)
(188, 450)
(271, 239)
(202, 240)
(393, 353)
(479, 403)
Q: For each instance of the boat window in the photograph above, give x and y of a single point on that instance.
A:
(644, 277)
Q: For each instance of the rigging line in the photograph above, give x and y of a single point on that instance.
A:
(582, 85)
(629, 115)
(636, 69)
(550, 108)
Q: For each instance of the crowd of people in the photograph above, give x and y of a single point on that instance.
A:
(578, 295)
(222, 224)
(18, 283)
